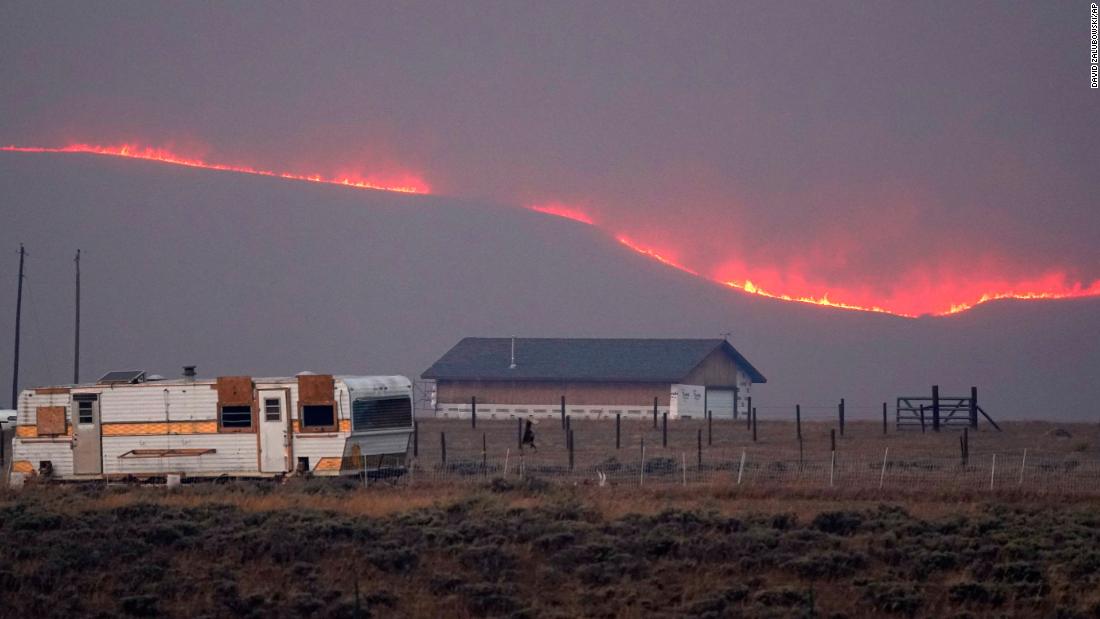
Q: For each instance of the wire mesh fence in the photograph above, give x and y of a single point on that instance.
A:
(1050, 473)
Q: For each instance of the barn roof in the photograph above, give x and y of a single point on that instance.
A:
(581, 359)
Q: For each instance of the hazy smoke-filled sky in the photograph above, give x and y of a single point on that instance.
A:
(898, 154)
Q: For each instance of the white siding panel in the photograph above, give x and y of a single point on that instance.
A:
(59, 453)
(29, 401)
(234, 453)
(316, 447)
(147, 404)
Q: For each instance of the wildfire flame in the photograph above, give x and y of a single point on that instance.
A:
(1053, 286)
(1057, 290)
(408, 184)
(563, 210)
(653, 254)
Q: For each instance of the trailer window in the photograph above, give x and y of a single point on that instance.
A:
(318, 416)
(273, 409)
(84, 412)
(236, 417)
(381, 413)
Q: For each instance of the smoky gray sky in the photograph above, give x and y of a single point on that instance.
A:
(910, 155)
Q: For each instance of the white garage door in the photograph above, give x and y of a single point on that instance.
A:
(720, 403)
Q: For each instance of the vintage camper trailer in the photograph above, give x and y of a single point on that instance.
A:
(128, 424)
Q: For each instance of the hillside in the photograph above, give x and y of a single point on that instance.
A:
(252, 275)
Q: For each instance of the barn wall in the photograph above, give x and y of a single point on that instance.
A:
(500, 399)
(578, 393)
(716, 370)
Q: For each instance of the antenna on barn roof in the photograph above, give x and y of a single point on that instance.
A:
(726, 335)
(512, 365)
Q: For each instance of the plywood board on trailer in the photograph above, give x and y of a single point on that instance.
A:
(50, 420)
(316, 389)
(234, 390)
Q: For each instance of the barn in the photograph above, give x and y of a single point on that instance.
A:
(581, 377)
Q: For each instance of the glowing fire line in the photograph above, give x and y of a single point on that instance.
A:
(131, 151)
(416, 185)
(748, 286)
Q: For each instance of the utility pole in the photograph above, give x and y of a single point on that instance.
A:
(18, 315)
(76, 343)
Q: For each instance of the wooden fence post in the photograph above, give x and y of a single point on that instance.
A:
(570, 450)
(641, 469)
(473, 411)
(710, 428)
(798, 421)
(748, 418)
(922, 419)
(754, 425)
(884, 418)
(563, 412)
(519, 433)
(935, 408)
(832, 440)
(841, 411)
(654, 413)
(416, 439)
(618, 429)
(664, 430)
(568, 428)
(974, 407)
(443, 447)
(699, 448)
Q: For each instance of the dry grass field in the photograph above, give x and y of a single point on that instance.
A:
(540, 546)
(331, 548)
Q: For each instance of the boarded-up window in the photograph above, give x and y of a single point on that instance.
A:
(317, 403)
(50, 420)
(235, 406)
(316, 389)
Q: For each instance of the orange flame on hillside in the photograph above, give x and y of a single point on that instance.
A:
(923, 299)
(407, 184)
(654, 254)
(1055, 284)
(563, 210)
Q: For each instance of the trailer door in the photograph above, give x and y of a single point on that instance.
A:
(87, 439)
(273, 430)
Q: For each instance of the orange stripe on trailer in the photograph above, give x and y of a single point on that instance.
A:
(155, 428)
(328, 464)
(22, 466)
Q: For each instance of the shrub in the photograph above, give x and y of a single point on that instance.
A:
(838, 523)
(828, 564)
(893, 597)
(140, 605)
(785, 597)
(976, 593)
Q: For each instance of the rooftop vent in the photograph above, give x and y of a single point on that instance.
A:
(123, 377)
(189, 373)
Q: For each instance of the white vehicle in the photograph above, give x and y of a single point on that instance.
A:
(7, 417)
(129, 425)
